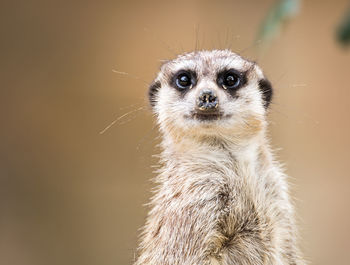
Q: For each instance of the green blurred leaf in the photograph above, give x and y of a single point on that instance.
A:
(278, 15)
(343, 32)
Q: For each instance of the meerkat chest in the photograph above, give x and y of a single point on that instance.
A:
(245, 232)
(233, 226)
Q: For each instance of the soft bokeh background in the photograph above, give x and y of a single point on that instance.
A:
(70, 195)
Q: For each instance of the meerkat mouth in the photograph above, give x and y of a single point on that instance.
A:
(207, 116)
(210, 116)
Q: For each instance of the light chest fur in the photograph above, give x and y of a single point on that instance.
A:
(220, 206)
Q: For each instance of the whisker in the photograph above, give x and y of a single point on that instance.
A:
(131, 106)
(181, 48)
(255, 43)
(196, 47)
(219, 39)
(132, 117)
(289, 109)
(119, 118)
(130, 75)
(227, 37)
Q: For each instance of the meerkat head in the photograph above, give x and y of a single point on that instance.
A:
(210, 93)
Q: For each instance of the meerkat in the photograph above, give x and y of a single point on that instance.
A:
(221, 197)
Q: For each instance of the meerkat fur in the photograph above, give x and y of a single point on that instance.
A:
(221, 198)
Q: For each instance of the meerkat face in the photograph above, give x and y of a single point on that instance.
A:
(211, 92)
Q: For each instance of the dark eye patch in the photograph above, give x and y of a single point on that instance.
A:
(153, 91)
(267, 91)
(231, 80)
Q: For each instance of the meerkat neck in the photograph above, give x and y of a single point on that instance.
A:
(216, 153)
(207, 146)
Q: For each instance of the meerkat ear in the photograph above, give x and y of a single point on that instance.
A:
(267, 91)
(153, 91)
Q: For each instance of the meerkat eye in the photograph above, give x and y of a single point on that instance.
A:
(229, 80)
(184, 80)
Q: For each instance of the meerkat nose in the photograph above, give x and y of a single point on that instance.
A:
(207, 100)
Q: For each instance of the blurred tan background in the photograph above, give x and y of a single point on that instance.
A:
(70, 195)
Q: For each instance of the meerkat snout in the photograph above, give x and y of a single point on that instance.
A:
(207, 100)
